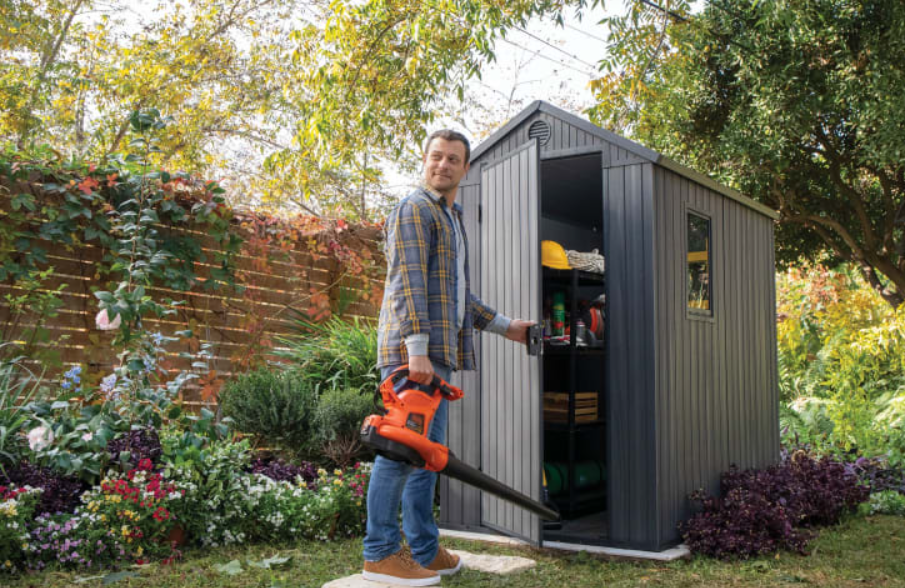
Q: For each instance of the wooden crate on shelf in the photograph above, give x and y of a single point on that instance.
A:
(556, 407)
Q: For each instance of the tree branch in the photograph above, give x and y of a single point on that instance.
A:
(46, 61)
(305, 207)
(834, 159)
(232, 18)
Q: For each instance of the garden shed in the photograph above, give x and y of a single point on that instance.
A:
(684, 381)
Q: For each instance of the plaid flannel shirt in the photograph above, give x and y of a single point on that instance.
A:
(420, 291)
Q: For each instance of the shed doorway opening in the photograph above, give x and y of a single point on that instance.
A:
(573, 366)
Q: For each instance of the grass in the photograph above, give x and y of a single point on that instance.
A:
(860, 552)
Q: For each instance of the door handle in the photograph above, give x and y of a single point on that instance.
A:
(534, 340)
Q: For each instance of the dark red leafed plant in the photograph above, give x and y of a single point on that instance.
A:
(60, 494)
(879, 474)
(281, 471)
(762, 511)
(139, 444)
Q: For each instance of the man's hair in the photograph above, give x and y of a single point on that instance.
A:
(449, 135)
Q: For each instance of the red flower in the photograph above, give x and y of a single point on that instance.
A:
(145, 464)
(161, 514)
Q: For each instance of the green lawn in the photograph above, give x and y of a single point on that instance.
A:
(860, 552)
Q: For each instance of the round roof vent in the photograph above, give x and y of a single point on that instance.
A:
(539, 130)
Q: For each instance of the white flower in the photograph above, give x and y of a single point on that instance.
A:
(87, 436)
(39, 438)
(104, 323)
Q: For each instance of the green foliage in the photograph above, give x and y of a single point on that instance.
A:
(318, 92)
(335, 355)
(798, 105)
(18, 387)
(77, 438)
(278, 405)
(337, 422)
(340, 413)
(210, 476)
(842, 363)
(224, 505)
(17, 510)
(124, 207)
(30, 308)
(889, 502)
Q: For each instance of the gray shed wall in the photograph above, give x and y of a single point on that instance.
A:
(716, 382)
(628, 235)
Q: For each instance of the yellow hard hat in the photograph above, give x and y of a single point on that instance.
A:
(553, 255)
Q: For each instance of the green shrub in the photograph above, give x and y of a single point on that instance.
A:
(337, 421)
(277, 405)
(340, 412)
(842, 363)
(18, 387)
(335, 355)
(889, 502)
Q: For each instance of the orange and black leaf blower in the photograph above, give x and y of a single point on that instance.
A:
(400, 434)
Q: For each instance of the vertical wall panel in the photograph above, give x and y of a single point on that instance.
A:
(718, 387)
(631, 451)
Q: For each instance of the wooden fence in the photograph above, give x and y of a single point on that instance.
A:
(242, 325)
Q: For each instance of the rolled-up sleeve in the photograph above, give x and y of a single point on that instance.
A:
(408, 250)
(485, 318)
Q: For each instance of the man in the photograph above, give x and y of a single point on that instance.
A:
(426, 321)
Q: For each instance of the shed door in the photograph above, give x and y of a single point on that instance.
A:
(511, 379)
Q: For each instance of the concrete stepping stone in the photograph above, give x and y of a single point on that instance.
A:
(494, 564)
(491, 564)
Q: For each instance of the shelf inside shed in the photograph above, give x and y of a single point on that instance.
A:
(574, 438)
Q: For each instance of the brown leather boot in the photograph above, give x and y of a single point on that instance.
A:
(445, 563)
(400, 569)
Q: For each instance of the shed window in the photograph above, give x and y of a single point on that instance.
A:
(699, 264)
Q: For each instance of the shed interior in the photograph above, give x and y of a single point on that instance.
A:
(574, 419)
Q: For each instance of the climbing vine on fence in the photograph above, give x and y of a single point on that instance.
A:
(193, 242)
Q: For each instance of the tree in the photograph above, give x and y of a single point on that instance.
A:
(291, 100)
(800, 105)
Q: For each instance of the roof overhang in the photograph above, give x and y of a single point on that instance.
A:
(631, 146)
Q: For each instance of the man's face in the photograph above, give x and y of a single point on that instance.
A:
(444, 165)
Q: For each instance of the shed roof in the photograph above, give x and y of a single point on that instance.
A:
(630, 146)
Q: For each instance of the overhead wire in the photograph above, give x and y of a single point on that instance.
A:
(545, 42)
(546, 58)
(585, 33)
(522, 47)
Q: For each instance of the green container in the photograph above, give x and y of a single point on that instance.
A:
(588, 474)
(559, 313)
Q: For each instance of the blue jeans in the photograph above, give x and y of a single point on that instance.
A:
(395, 481)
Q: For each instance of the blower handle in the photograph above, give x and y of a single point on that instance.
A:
(388, 386)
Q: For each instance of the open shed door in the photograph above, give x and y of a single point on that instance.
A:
(511, 428)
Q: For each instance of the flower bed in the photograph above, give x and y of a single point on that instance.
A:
(145, 514)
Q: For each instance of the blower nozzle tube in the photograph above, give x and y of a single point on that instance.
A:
(455, 468)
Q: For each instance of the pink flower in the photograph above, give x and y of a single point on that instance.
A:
(104, 323)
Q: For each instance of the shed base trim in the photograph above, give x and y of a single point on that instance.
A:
(678, 552)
